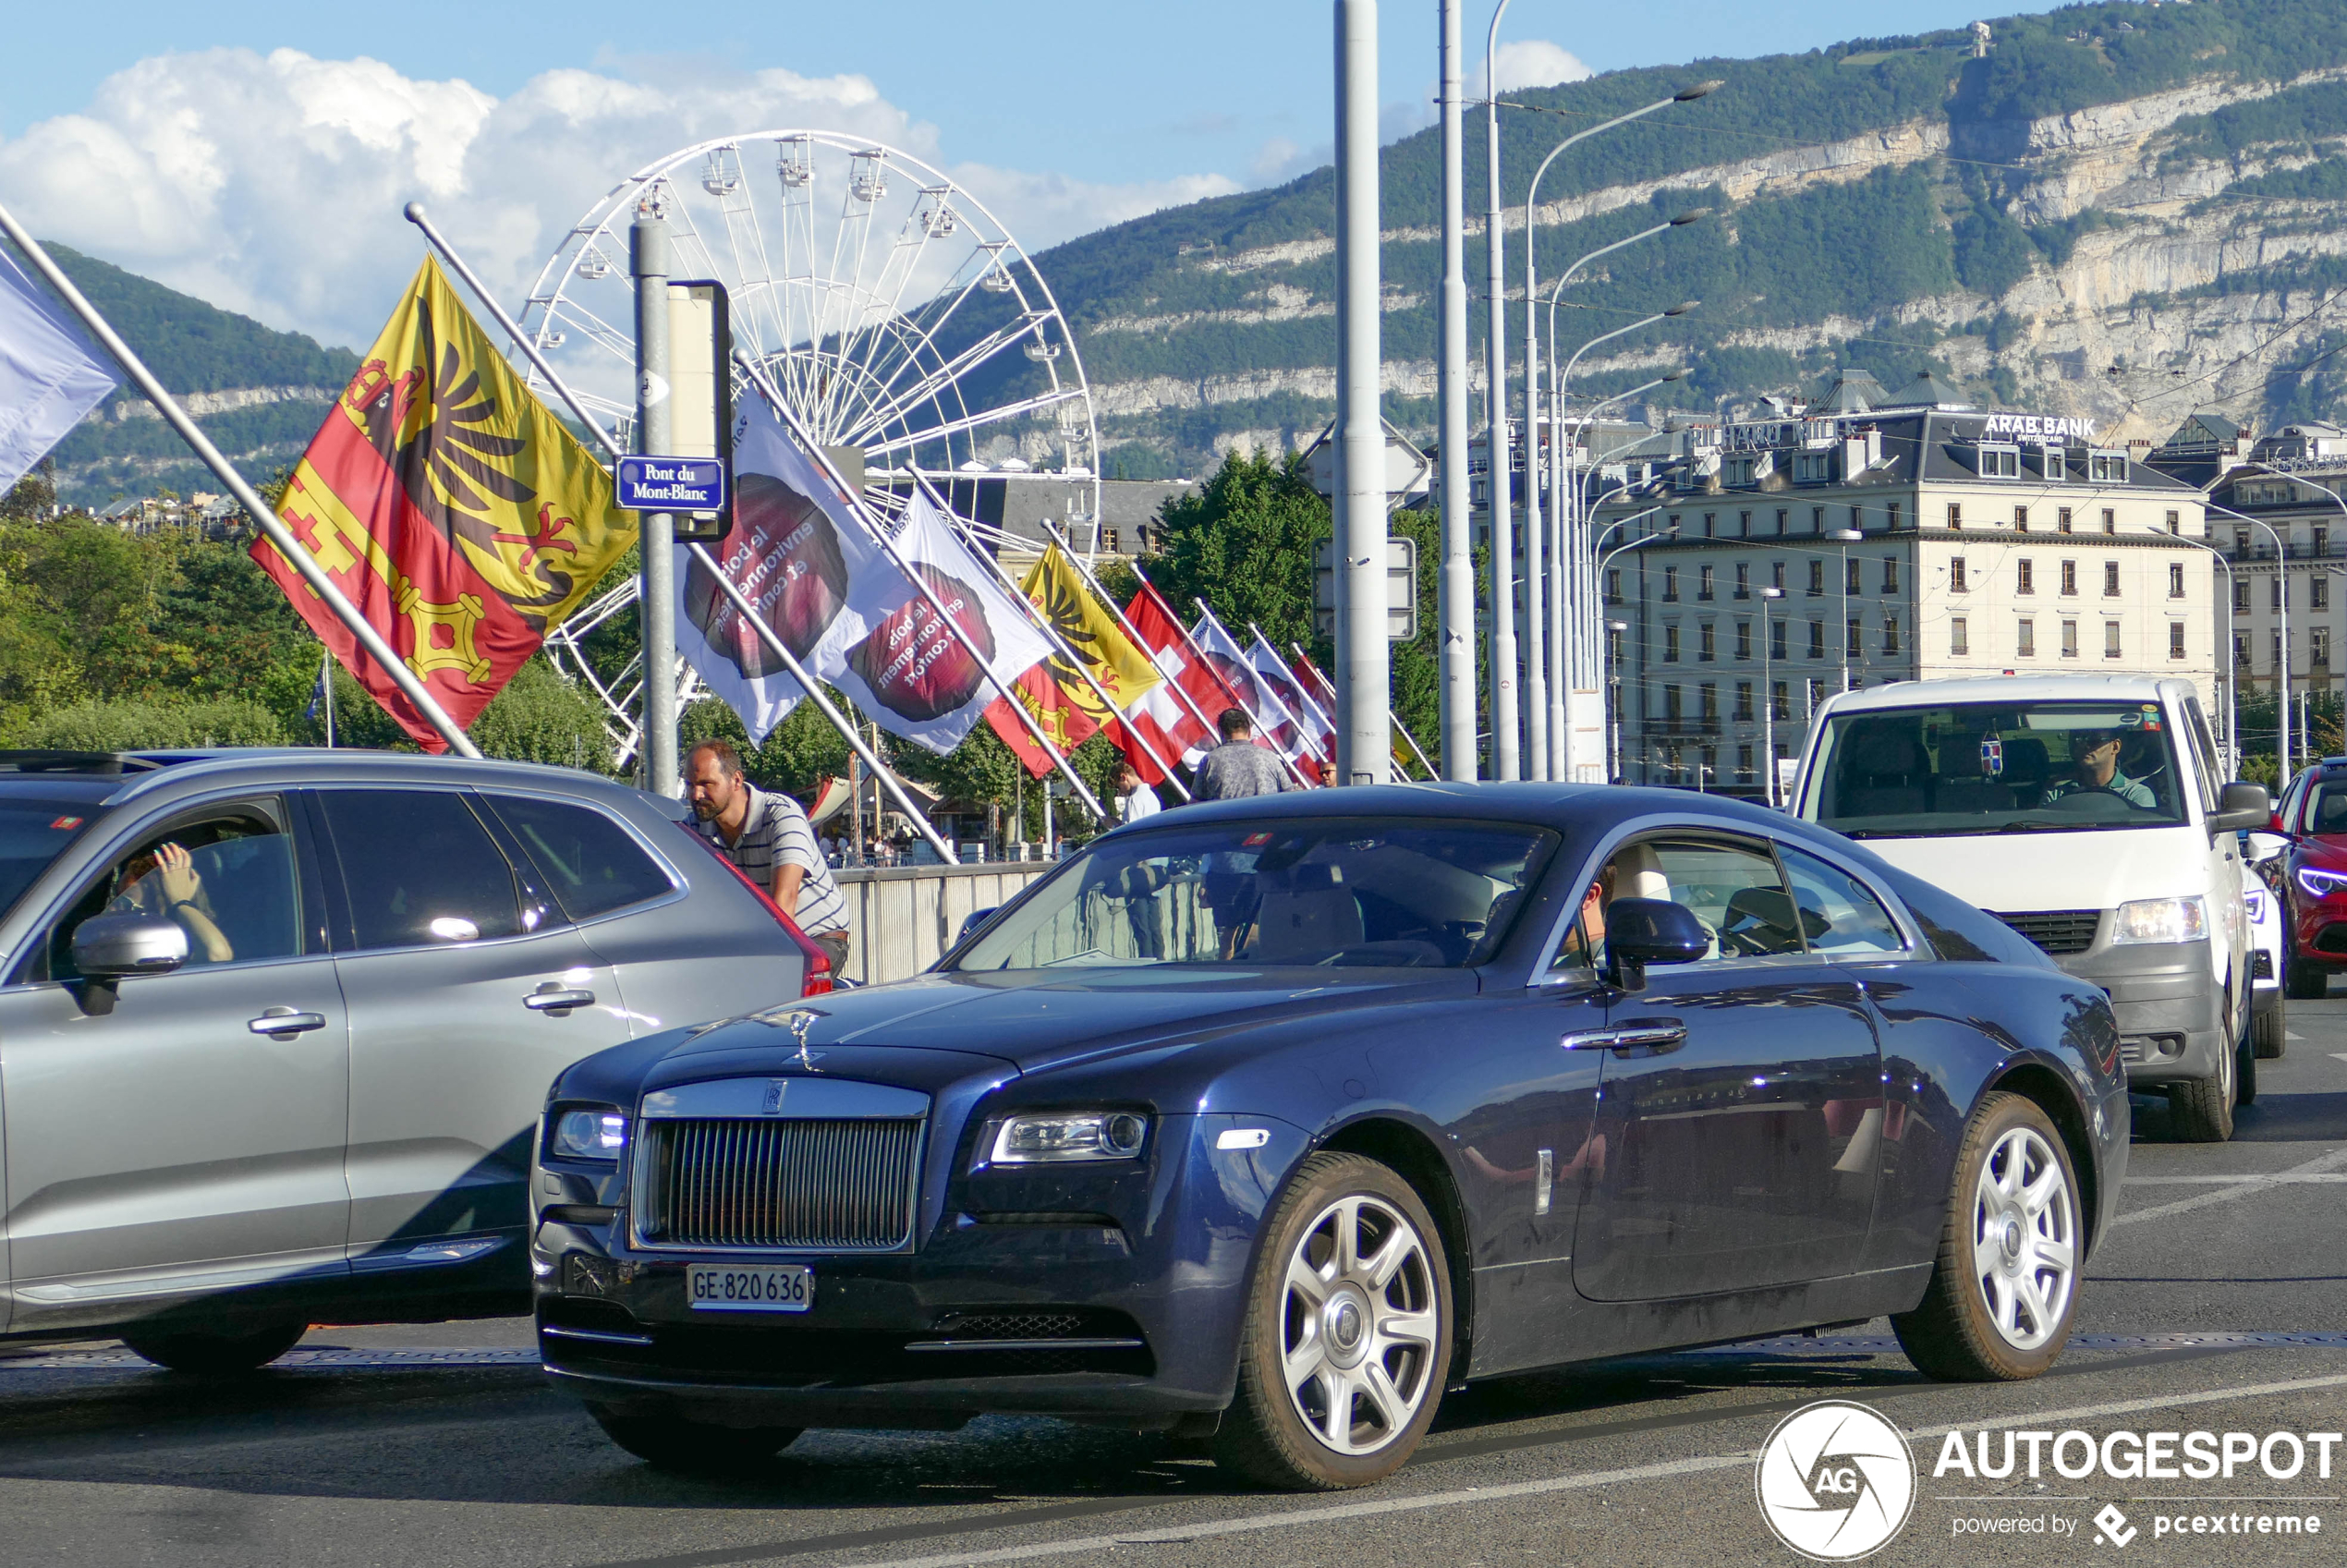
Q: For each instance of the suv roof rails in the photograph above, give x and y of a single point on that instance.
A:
(89, 764)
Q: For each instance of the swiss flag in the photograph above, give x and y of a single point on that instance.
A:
(1161, 715)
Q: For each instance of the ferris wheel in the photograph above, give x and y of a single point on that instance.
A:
(898, 318)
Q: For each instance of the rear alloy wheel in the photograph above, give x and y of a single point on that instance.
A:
(2270, 1032)
(695, 1448)
(2202, 1110)
(215, 1354)
(1347, 1337)
(2006, 1284)
(2301, 981)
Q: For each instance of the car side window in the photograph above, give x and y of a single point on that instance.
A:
(227, 881)
(418, 869)
(2204, 753)
(1736, 892)
(590, 863)
(1837, 911)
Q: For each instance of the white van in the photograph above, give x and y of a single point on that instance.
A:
(2090, 814)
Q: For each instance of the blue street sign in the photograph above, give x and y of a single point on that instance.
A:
(672, 484)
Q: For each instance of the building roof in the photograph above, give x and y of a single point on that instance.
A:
(1852, 392)
(1928, 391)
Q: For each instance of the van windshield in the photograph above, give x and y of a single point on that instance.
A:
(2000, 767)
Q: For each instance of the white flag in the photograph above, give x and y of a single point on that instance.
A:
(48, 374)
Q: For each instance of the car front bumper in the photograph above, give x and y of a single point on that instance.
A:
(2168, 1004)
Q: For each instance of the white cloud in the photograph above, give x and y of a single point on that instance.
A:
(272, 185)
(1530, 62)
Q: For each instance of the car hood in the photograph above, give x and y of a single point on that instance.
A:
(2021, 873)
(2326, 852)
(1031, 1018)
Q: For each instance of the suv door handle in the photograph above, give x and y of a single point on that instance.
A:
(1654, 1036)
(284, 1023)
(552, 997)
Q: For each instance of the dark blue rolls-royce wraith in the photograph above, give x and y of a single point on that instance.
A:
(1271, 1120)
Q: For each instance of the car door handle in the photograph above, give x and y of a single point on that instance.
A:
(1654, 1036)
(284, 1023)
(553, 999)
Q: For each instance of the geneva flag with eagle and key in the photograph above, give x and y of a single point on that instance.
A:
(453, 509)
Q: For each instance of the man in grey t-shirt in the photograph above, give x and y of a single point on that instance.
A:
(1239, 767)
(767, 837)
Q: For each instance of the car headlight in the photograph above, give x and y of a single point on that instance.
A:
(2320, 884)
(588, 1133)
(2161, 919)
(1069, 1135)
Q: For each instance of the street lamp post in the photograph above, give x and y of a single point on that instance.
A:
(1613, 694)
(1846, 537)
(1457, 600)
(2282, 667)
(2225, 666)
(1768, 698)
(1495, 437)
(2336, 500)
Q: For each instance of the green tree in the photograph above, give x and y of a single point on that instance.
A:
(1243, 542)
(117, 725)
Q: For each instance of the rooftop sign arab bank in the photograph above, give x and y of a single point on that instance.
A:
(2040, 427)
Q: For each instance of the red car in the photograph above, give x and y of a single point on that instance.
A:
(2313, 813)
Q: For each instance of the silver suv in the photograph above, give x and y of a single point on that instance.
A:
(276, 1027)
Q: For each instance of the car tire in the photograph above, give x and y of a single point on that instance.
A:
(2245, 1069)
(212, 1354)
(2202, 1110)
(2270, 1032)
(1376, 1351)
(2005, 1284)
(2301, 981)
(694, 1448)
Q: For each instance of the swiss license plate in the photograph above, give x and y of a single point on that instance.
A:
(783, 1287)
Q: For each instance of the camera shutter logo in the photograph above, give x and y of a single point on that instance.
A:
(1835, 1482)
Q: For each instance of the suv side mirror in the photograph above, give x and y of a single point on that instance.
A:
(1639, 932)
(2240, 807)
(111, 948)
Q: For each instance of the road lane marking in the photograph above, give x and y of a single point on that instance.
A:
(1293, 1518)
(2331, 1161)
(2278, 1179)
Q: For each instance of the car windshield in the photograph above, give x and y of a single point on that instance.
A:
(2326, 807)
(1999, 768)
(1323, 891)
(33, 835)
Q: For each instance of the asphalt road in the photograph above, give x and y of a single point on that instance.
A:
(2216, 1304)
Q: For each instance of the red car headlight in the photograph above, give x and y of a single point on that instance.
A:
(2321, 884)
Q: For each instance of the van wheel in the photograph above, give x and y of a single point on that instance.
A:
(213, 1354)
(694, 1448)
(2203, 1109)
(2270, 1032)
(2006, 1285)
(1347, 1338)
(2301, 981)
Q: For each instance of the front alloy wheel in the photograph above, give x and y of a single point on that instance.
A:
(1348, 1331)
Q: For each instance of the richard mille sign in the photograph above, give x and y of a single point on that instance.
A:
(2044, 427)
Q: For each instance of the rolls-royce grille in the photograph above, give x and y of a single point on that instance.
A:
(780, 1184)
(2058, 931)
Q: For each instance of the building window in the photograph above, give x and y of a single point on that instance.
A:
(2175, 639)
(1744, 700)
(1670, 584)
(1959, 636)
(1812, 468)
(1706, 643)
(2318, 591)
(2241, 597)
(1614, 585)
(1777, 573)
(1781, 700)
(1674, 710)
(2240, 542)
(2021, 519)
(1891, 634)
(1710, 703)
(1744, 762)
(2000, 462)
(1703, 582)
(1891, 574)
(1816, 639)
(1854, 645)
(1710, 525)
(1817, 519)
(2070, 639)
(2107, 468)
(1776, 639)
(1671, 523)
(1744, 524)
(2277, 651)
(1956, 583)
(1894, 510)
(1781, 521)
(2240, 651)
(1743, 579)
(1817, 693)
(2025, 638)
(2322, 539)
(2070, 578)
(2110, 649)
(2175, 579)
(1851, 566)
(2175, 521)
(1816, 578)
(1744, 639)
(2109, 520)
(2275, 594)
(2026, 579)
(2110, 580)
(2061, 520)
(1670, 644)
(1956, 513)
(2319, 646)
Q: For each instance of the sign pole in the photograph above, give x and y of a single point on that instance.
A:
(648, 263)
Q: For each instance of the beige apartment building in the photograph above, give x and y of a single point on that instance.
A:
(1876, 537)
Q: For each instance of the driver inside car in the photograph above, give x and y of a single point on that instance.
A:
(164, 882)
(2094, 760)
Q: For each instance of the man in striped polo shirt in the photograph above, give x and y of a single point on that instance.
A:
(767, 837)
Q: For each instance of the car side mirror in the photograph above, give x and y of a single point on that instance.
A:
(1639, 932)
(971, 921)
(2264, 846)
(108, 949)
(2241, 805)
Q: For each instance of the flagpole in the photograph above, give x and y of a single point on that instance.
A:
(1415, 750)
(1213, 725)
(1067, 551)
(1042, 623)
(798, 671)
(326, 680)
(814, 449)
(1294, 772)
(1318, 755)
(263, 516)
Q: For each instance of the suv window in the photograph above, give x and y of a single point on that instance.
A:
(227, 879)
(590, 862)
(418, 869)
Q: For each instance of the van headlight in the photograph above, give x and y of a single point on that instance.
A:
(1064, 1135)
(588, 1132)
(2161, 919)
(2320, 884)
